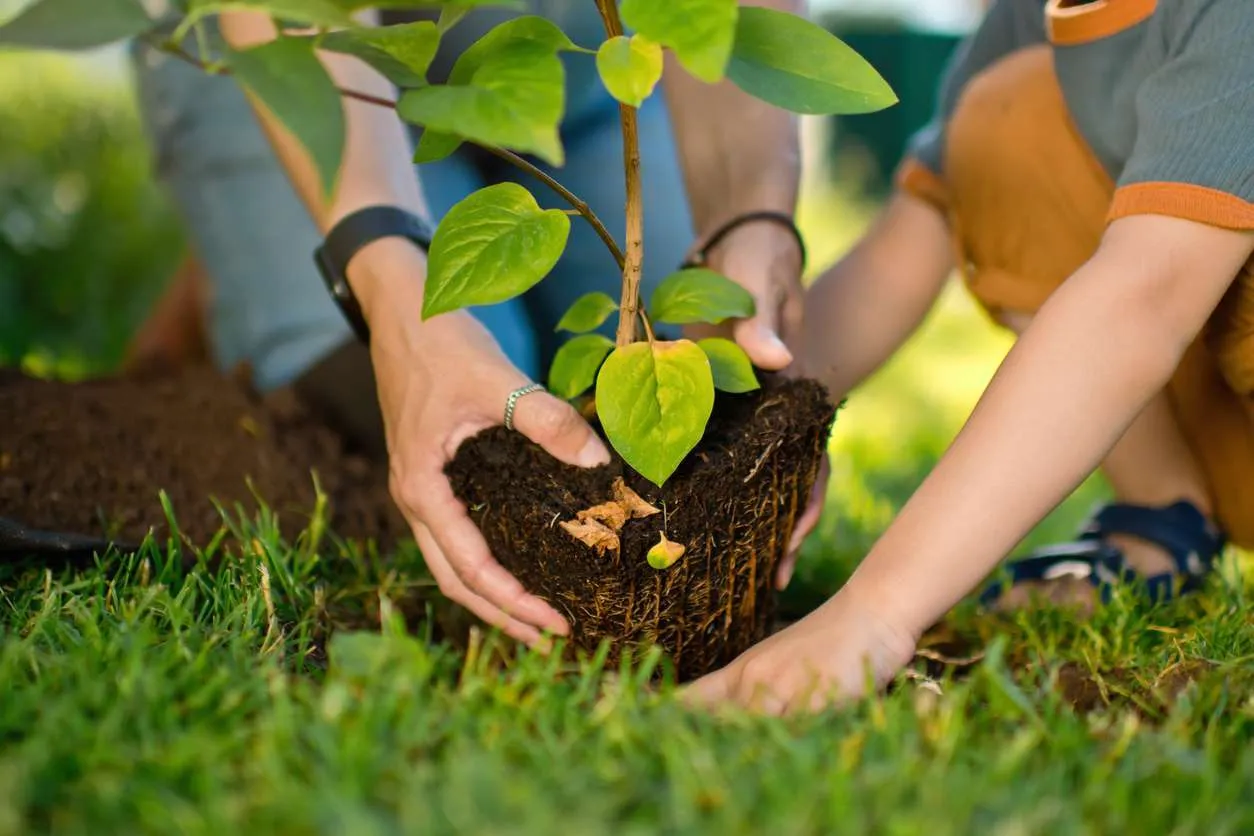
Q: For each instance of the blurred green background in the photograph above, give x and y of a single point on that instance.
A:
(87, 241)
(86, 238)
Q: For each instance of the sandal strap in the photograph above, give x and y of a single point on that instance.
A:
(1087, 559)
(1179, 529)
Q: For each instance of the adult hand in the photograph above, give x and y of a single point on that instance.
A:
(440, 382)
(827, 658)
(764, 259)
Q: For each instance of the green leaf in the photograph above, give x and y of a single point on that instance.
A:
(288, 78)
(434, 146)
(630, 67)
(492, 246)
(527, 29)
(449, 6)
(654, 400)
(450, 16)
(700, 32)
(326, 13)
(730, 366)
(699, 295)
(575, 365)
(530, 29)
(75, 24)
(797, 65)
(588, 313)
(402, 53)
(514, 100)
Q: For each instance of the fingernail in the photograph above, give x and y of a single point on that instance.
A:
(776, 344)
(593, 454)
(785, 575)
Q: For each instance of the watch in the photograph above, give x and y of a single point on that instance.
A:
(347, 237)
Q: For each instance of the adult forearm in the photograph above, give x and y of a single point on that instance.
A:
(861, 310)
(376, 167)
(738, 153)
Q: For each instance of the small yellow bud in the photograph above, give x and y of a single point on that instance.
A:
(665, 553)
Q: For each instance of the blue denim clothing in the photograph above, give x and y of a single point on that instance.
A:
(249, 228)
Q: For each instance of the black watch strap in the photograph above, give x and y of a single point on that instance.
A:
(347, 237)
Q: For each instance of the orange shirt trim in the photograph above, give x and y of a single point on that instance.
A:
(1069, 22)
(916, 179)
(1182, 200)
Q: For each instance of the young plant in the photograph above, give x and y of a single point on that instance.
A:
(506, 94)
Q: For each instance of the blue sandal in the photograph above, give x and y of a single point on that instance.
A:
(1181, 530)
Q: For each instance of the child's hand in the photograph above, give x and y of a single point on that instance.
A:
(822, 660)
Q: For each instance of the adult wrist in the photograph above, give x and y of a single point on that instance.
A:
(769, 233)
(388, 276)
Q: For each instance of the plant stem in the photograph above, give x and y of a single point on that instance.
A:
(630, 303)
(580, 207)
(629, 308)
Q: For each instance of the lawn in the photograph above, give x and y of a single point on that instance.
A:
(297, 688)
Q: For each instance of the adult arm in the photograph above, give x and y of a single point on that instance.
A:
(427, 412)
(375, 170)
(740, 154)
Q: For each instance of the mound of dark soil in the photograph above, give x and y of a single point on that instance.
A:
(732, 505)
(89, 458)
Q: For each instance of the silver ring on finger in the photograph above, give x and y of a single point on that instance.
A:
(511, 403)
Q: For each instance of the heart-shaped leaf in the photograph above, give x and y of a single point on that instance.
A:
(700, 32)
(287, 77)
(515, 99)
(576, 363)
(699, 295)
(630, 68)
(402, 53)
(492, 246)
(75, 24)
(798, 65)
(730, 366)
(654, 400)
(588, 313)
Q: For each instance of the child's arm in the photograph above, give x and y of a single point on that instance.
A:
(1095, 354)
(862, 309)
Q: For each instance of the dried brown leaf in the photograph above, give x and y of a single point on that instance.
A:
(631, 501)
(610, 514)
(592, 534)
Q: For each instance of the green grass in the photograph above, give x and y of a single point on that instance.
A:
(297, 687)
(140, 698)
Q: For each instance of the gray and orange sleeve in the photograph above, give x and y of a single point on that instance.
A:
(1008, 25)
(1194, 152)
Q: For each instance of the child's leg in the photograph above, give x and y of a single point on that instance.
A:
(1152, 466)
